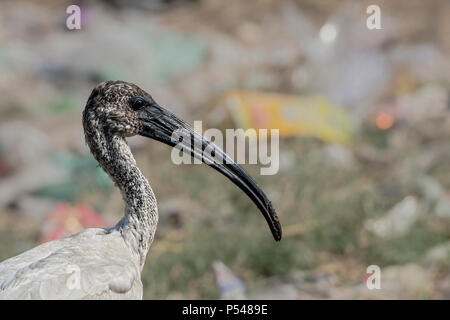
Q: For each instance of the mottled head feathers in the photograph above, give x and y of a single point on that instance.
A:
(109, 111)
(110, 104)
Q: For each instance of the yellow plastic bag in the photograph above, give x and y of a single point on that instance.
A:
(310, 115)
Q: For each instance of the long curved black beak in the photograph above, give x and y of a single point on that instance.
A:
(162, 125)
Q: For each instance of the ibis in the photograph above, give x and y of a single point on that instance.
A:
(106, 263)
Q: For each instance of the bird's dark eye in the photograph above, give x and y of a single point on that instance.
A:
(137, 103)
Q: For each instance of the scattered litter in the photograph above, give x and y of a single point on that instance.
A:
(339, 155)
(83, 174)
(310, 70)
(287, 161)
(430, 188)
(345, 61)
(397, 221)
(283, 291)
(67, 219)
(439, 254)
(415, 279)
(29, 179)
(443, 286)
(20, 142)
(34, 207)
(436, 199)
(430, 101)
(166, 58)
(424, 61)
(231, 287)
(442, 208)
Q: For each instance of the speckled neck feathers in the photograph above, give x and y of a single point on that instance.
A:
(138, 226)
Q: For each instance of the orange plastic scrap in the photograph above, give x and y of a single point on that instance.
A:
(309, 115)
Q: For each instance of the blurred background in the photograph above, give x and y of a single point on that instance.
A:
(364, 125)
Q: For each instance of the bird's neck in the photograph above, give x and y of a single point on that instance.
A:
(138, 226)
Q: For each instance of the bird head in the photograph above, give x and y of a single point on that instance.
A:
(121, 108)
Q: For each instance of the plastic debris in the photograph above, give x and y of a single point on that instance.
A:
(20, 142)
(287, 161)
(83, 174)
(430, 101)
(439, 254)
(283, 291)
(34, 207)
(339, 155)
(230, 286)
(442, 208)
(397, 221)
(414, 278)
(430, 188)
(29, 179)
(166, 58)
(310, 115)
(66, 220)
(345, 61)
(436, 198)
(424, 61)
